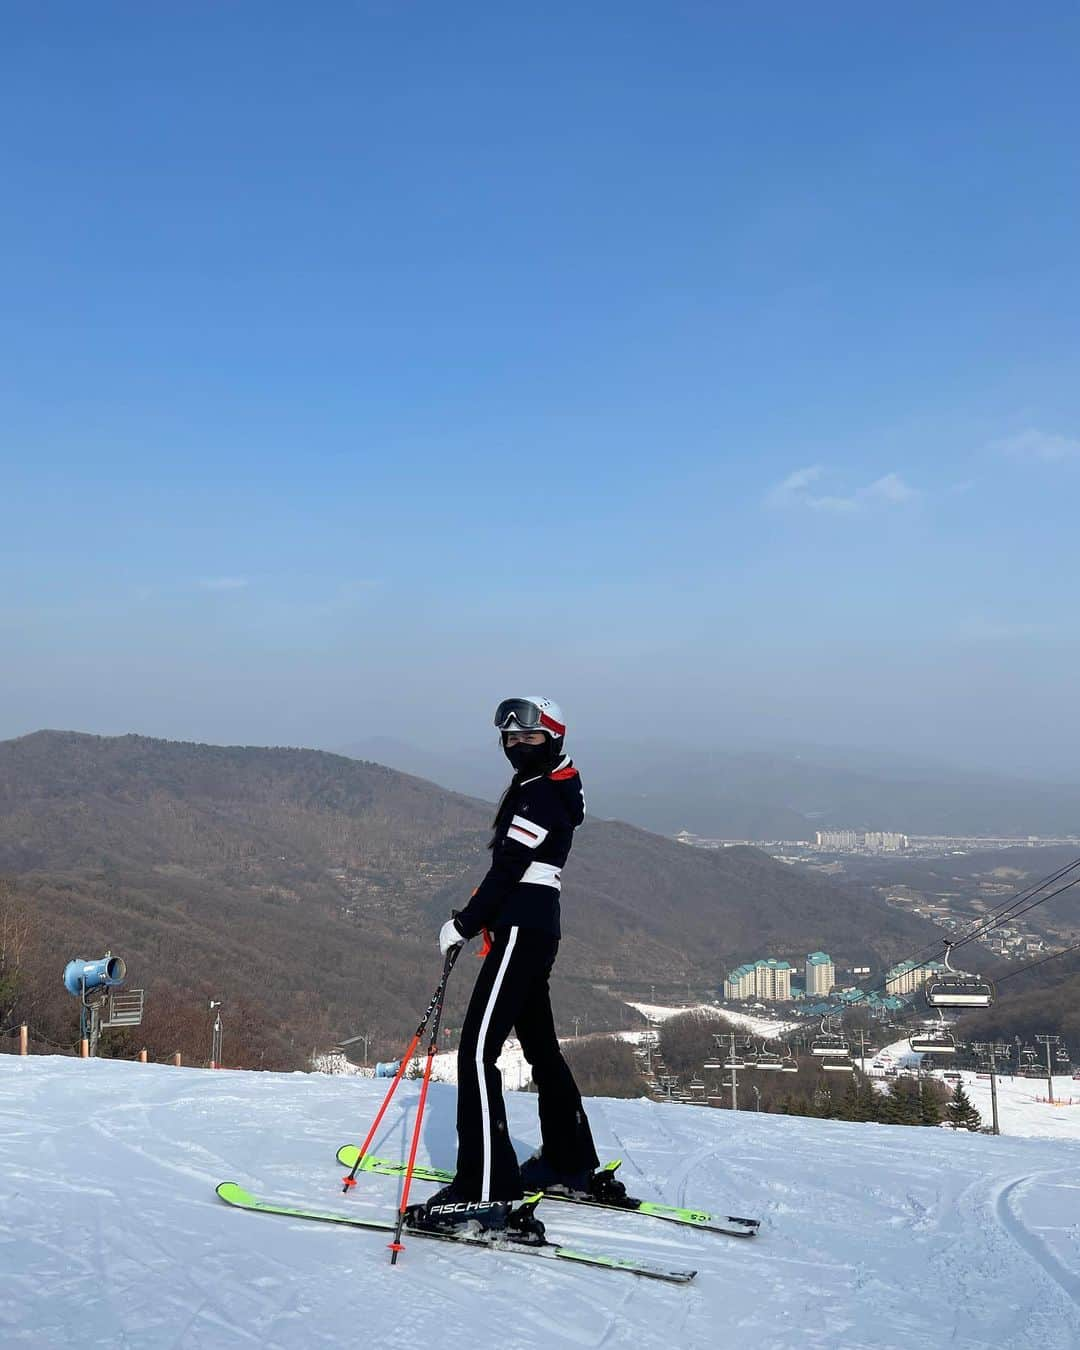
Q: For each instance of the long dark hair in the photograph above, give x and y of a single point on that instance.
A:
(503, 811)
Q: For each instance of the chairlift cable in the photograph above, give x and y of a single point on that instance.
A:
(1001, 914)
(1010, 908)
(1031, 965)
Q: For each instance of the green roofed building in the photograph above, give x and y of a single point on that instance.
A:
(768, 980)
(820, 974)
(909, 976)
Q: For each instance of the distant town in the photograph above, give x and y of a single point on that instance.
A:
(872, 843)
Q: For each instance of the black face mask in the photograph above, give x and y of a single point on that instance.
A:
(526, 758)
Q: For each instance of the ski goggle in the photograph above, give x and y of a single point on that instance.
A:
(527, 716)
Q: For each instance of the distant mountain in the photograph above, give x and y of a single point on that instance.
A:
(770, 795)
(312, 885)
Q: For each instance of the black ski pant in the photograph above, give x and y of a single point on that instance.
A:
(512, 992)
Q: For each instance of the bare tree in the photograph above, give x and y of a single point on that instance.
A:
(16, 929)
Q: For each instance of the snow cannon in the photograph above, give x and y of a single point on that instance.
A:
(387, 1068)
(81, 976)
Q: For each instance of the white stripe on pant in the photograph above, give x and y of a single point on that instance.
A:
(485, 1112)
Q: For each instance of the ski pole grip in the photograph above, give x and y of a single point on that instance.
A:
(486, 945)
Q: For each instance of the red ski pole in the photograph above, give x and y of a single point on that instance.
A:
(436, 1002)
(397, 1245)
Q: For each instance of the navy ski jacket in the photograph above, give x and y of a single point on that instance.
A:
(534, 835)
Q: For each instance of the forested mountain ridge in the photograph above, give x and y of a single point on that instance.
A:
(313, 884)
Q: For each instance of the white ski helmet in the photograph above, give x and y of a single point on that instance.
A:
(531, 714)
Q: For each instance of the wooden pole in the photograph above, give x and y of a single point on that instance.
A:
(993, 1092)
(142, 1056)
(176, 1059)
(84, 1048)
(23, 1049)
(734, 1078)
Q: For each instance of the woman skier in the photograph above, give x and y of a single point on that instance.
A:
(518, 903)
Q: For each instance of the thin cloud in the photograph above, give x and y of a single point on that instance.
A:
(796, 490)
(796, 483)
(1048, 446)
(223, 583)
(890, 488)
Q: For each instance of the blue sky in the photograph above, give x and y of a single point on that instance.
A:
(715, 361)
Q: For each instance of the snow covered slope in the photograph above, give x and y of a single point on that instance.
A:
(756, 1026)
(110, 1233)
(1023, 1108)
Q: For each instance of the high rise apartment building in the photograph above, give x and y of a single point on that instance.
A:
(909, 976)
(874, 841)
(767, 980)
(884, 841)
(838, 839)
(820, 974)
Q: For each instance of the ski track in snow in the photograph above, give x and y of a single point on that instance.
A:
(1009, 1206)
(872, 1236)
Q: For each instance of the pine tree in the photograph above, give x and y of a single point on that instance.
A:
(860, 1101)
(849, 1107)
(960, 1112)
(901, 1106)
(929, 1102)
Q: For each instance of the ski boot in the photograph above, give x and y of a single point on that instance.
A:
(600, 1186)
(537, 1174)
(495, 1221)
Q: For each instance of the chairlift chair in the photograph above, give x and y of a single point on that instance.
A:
(837, 1066)
(830, 1041)
(952, 989)
(769, 1060)
(934, 1038)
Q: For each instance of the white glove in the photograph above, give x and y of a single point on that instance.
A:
(450, 935)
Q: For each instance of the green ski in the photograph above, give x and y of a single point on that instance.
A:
(690, 1218)
(236, 1196)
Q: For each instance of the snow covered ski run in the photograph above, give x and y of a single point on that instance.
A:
(236, 1196)
(690, 1218)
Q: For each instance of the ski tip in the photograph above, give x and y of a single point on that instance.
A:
(233, 1193)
